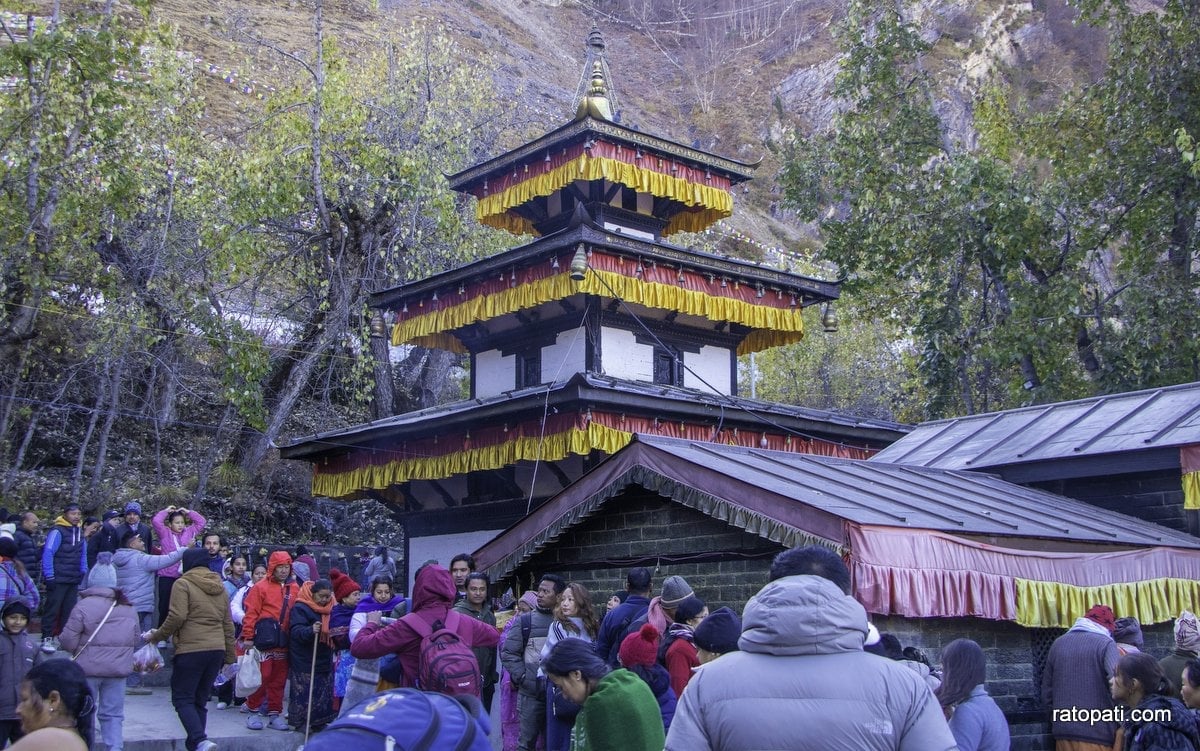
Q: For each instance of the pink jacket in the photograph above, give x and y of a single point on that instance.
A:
(433, 597)
(170, 542)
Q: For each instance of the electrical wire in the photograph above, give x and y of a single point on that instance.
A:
(546, 408)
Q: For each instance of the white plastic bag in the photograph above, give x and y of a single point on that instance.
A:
(249, 674)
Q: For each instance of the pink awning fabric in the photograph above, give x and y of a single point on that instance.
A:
(921, 574)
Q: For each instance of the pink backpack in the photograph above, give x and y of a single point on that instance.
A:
(445, 663)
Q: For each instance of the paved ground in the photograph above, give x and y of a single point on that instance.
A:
(152, 725)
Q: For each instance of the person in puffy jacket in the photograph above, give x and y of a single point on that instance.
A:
(64, 564)
(433, 597)
(18, 654)
(198, 619)
(135, 574)
(802, 648)
(272, 598)
(102, 634)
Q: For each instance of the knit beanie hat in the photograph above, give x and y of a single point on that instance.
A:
(1187, 632)
(194, 558)
(343, 586)
(1103, 615)
(8, 547)
(1128, 631)
(719, 632)
(675, 590)
(110, 514)
(530, 599)
(103, 574)
(689, 609)
(15, 607)
(640, 647)
(133, 507)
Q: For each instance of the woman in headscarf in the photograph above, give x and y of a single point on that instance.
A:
(310, 658)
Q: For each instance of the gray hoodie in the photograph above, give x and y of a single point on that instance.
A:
(802, 682)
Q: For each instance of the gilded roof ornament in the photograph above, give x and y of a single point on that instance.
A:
(595, 104)
(596, 100)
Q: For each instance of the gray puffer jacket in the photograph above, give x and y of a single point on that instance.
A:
(803, 683)
(109, 654)
(135, 574)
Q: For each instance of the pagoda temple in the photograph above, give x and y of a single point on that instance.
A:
(597, 329)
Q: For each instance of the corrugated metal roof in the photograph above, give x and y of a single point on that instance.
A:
(790, 497)
(1119, 423)
(879, 493)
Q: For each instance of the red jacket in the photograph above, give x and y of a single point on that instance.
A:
(265, 599)
(681, 657)
(433, 597)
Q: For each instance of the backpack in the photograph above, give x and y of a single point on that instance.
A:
(405, 718)
(445, 664)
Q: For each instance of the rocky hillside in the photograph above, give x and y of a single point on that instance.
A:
(728, 75)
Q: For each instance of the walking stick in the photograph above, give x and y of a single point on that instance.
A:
(312, 682)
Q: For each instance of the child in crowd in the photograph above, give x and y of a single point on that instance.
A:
(175, 528)
(237, 610)
(18, 653)
(347, 594)
(235, 576)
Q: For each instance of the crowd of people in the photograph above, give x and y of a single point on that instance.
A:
(646, 669)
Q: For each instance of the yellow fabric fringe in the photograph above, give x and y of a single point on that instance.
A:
(530, 448)
(713, 204)
(772, 326)
(1056, 605)
(1191, 491)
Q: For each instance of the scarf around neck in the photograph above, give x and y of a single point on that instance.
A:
(306, 597)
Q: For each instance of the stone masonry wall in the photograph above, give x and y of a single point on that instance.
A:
(724, 565)
(1153, 496)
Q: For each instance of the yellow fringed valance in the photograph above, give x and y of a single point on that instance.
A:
(773, 326)
(1055, 605)
(710, 204)
(548, 448)
(1191, 491)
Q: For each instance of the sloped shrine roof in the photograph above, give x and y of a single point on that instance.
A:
(1137, 421)
(795, 499)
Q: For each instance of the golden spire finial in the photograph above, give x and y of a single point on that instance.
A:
(596, 101)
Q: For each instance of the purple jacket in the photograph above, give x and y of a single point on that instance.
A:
(110, 652)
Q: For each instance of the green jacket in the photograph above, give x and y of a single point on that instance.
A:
(621, 714)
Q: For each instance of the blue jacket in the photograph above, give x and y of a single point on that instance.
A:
(978, 724)
(608, 641)
(64, 556)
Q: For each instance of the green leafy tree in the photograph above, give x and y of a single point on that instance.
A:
(1013, 266)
